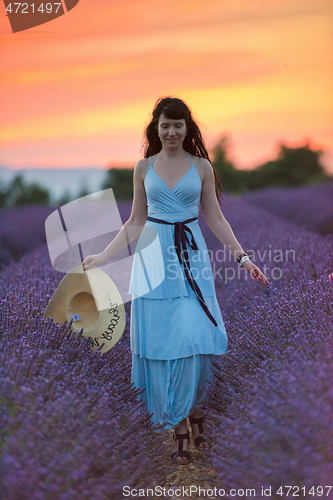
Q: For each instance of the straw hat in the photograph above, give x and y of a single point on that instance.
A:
(92, 302)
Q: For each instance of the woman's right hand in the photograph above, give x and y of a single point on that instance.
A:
(92, 261)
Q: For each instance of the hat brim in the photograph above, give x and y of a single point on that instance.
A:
(92, 302)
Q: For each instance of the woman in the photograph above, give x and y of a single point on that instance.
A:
(176, 325)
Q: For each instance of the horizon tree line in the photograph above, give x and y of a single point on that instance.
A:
(292, 167)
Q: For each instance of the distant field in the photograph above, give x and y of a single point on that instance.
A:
(308, 206)
(311, 207)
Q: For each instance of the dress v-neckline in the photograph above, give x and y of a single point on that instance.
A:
(179, 179)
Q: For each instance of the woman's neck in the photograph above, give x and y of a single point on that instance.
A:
(172, 155)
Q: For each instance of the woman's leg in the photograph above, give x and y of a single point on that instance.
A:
(181, 429)
(195, 427)
(197, 413)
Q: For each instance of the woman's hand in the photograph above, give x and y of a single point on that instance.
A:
(255, 272)
(93, 261)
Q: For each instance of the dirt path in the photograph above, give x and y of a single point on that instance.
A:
(198, 473)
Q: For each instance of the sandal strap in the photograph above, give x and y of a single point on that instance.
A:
(181, 438)
(181, 452)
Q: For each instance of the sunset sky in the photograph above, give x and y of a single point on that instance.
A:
(78, 91)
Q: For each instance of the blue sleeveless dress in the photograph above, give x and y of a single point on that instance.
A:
(173, 341)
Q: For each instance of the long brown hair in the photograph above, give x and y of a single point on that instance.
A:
(175, 109)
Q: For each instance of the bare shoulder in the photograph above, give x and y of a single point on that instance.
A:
(203, 165)
(141, 167)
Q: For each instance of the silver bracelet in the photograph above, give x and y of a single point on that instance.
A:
(243, 259)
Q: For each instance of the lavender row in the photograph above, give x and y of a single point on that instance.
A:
(70, 420)
(308, 206)
(277, 430)
(23, 228)
(270, 406)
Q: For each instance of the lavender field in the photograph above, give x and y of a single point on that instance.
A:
(70, 424)
(22, 228)
(308, 206)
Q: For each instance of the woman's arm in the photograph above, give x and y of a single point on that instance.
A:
(132, 227)
(217, 222)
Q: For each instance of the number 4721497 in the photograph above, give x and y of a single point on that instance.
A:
(296, 491)
(23, 8)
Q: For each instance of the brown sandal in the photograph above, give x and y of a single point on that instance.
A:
(181, 453)
(199, 439)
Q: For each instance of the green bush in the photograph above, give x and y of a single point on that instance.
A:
(20, 193)
(121, 181)
(292, 167)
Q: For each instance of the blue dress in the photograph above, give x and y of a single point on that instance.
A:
(173, 340)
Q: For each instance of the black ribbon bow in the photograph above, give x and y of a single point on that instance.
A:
(180, 240)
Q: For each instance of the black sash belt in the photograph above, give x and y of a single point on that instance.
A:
(180, 239)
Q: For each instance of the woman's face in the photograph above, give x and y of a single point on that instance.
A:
(172, 132)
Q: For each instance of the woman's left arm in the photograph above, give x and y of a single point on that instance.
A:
(217, 222)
